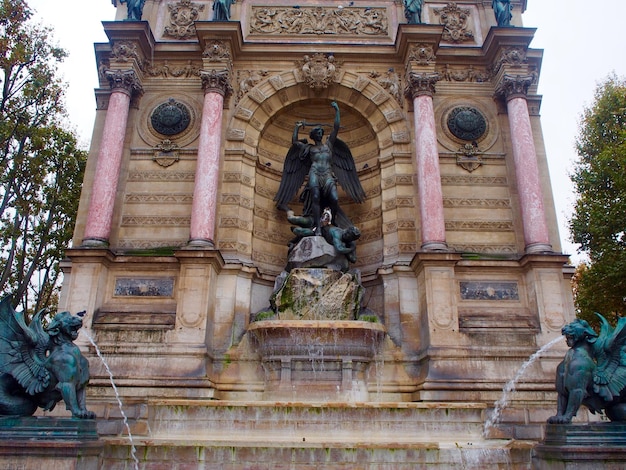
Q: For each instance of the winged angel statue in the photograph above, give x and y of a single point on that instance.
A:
(593, 372)
(40, 366)
(325, 163)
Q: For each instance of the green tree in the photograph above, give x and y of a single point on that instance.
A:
(599, 219)
(41, 165)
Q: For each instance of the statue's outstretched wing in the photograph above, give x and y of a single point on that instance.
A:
(23, 348)
(610, 352)
(345, 171)
(296, 167)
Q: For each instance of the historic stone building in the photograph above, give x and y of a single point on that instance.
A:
(178, 241)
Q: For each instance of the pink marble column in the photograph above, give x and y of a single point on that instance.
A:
(104, 189)
(204, 205)
(536, 235)
(421, 89)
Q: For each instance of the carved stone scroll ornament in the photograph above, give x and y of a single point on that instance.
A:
(318, 71)
(454, 20)
(182, 17)
(514, 56)
(304, 20)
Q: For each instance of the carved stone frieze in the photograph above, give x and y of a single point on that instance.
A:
(422, 54)
(182, 17)
(487, 249)
(319, 70)
(512, 86)
(317, 20)
(474, 180)
(418, 84)
(466, 74)
(170, 176)
(154, 220)
(454, 20)
(143, 244)
(477, 203)
(166, 70)
(480, 225)
(158, 198)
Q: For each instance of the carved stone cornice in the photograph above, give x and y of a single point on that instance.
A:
(514, 86)
(216, 81)
(125, 81)
(418, 84)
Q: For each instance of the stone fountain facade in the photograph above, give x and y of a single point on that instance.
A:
(178, 242)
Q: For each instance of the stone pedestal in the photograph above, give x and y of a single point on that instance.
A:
(582, 447)
(43, 442)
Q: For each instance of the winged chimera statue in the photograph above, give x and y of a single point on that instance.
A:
(593, 372)
(325, 164)
(40, 366)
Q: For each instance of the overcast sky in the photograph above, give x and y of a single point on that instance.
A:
(583, 42)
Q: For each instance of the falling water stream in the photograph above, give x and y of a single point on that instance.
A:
(133, 449)
(510, 386)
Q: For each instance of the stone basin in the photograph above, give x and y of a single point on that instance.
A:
(311, 360)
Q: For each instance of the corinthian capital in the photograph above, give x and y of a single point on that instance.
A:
(125, 81)
(418, 84)
(216, 81)
(514, 86)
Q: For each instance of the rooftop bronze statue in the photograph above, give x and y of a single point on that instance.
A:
(502, 10)
(413, 11)
(221, 10)
(325, 163)
(134, 9)
(40, 366)
(593, 372)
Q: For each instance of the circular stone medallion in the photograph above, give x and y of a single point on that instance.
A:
(170, 118)
(467, 123)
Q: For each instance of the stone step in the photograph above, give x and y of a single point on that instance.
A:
(240, 455)
(319, 422)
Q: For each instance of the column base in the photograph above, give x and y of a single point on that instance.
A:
(94, 243)
(201, 243)
(435, 246)
(539, 248)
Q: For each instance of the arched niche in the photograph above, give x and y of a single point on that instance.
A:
(260, 132)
